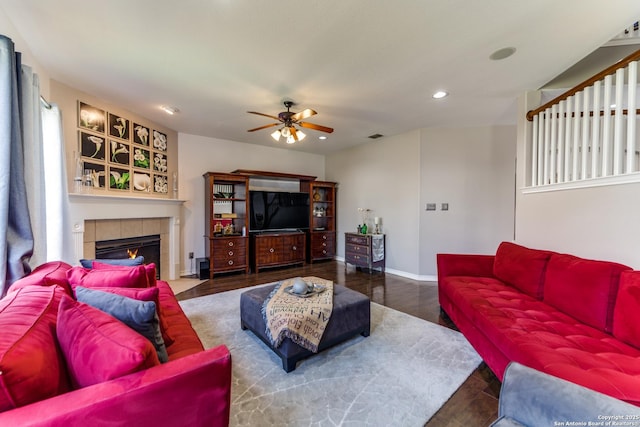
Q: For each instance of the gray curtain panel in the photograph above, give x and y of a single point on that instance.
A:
(16, 239)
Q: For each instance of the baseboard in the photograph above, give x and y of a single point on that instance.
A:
(419, 278)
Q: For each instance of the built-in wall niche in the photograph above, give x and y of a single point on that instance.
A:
(121, 155)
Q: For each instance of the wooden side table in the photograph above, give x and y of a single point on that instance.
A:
(365, 250)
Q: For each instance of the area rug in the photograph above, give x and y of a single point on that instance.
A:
(398, 376)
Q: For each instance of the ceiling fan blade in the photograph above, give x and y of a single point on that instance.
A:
(263, 127)
(315, 127)
(303, 114)
(262, 114)
(294, 134)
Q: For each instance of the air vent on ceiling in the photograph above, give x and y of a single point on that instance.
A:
(375, 136)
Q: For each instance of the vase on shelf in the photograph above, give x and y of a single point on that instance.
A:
(363, 229)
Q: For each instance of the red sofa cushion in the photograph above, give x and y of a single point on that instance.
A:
(131, 277)
(149, 268)
(48, 274)
(626, 314)
(184, 340)
(521, 267)
(97, 347)
(31, 364)
(584, 289)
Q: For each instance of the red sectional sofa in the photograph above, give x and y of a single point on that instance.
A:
(570, 317)
(42, 361)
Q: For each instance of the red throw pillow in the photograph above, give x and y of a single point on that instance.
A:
(131, 277)
(626, 314)
(48, 274)
(31, 363)
(584, 289)
(149, 268)
(521, 267)
(99, 348)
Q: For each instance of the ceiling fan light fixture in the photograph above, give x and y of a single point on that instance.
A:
(285, 132)
(301, 135)
(276, 135)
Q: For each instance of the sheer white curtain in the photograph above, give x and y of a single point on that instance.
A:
(58, 222)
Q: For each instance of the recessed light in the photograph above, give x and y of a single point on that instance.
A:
(439, 94)
(169, 110)
(322, 137)
(502, 53)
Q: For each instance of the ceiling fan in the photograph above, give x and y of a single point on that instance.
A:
(289, 119)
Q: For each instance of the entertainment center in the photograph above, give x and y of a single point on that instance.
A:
(259, 219)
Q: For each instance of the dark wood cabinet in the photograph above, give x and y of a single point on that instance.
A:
(322, 220)
(365, 250)
(226, 222)
(277, 249)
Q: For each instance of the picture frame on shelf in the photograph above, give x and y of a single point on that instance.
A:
(97, 173)
(119, 152)
(91, 118)
(141, 158)
(141, 182)
(118, 126)
(92, 146)
(140, 134)
(119, 178)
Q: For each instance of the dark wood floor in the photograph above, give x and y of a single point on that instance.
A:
(476, 401)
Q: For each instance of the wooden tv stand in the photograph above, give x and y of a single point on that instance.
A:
(277, 248)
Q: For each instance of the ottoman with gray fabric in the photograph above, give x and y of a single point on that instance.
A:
(351, 316)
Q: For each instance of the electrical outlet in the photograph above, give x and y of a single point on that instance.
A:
(431, 206)
(445, 206)
(190, 255)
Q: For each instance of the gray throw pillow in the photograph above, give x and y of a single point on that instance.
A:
(141, 316)
(129, 262)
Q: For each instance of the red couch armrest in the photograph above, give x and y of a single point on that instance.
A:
(464, 265)
(192, 391)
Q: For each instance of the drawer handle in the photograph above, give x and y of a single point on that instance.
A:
(324, 237)
(294, 248)
(324, 244)
(230, 253)
(230, 243)
(230, 262)
(324, 252)
(272, 250)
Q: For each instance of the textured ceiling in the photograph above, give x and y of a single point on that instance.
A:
(366, 66)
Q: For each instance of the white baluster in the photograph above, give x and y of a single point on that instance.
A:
(576, 136)
(534, 152)
(606, 127)
(632, 86)
(552, 152)
(595, 129)
(547, 138)
(618, 120)
(562, 120)
(567, 140)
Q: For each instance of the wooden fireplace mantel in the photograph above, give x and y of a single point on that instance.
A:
(273, 175)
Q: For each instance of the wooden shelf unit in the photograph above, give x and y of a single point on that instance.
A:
(322, 219)
(226, 205)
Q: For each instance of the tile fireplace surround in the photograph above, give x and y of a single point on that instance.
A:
(101, 217)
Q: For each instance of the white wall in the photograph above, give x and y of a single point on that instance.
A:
(8, 29)
(473, 170)
(383, 175)
(598, 222)
(198, 154)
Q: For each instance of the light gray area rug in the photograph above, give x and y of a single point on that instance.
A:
(398, 376)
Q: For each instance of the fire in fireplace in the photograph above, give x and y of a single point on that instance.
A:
(131, 247)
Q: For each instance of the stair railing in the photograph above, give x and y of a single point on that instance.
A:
(589, 132)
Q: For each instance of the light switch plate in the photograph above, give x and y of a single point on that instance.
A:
(431, 206)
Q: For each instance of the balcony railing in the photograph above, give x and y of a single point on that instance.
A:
(588, 134)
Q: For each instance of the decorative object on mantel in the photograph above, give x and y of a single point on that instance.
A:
(289, 119)
(118, 154)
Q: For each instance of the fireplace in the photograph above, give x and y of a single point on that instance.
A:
(130, 247)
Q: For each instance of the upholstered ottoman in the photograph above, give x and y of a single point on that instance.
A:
(351, 316)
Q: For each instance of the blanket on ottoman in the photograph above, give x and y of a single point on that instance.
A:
(301, 319)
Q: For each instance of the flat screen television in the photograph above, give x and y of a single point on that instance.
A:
(276, 210)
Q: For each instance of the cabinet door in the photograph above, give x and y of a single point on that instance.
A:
(323, 245)
(229, 253)
(268, 250)
(293, 248)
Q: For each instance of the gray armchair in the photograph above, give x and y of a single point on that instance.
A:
(532, 398)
